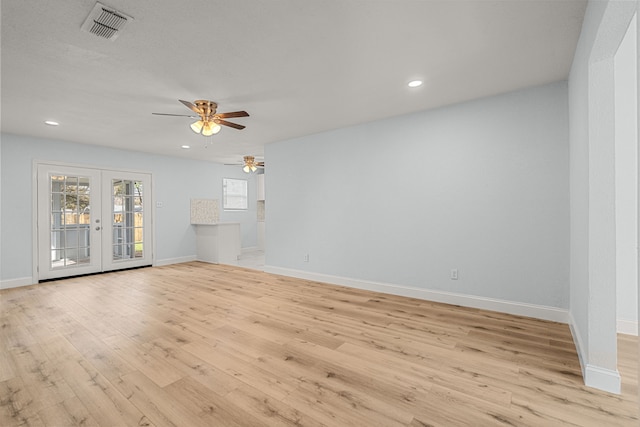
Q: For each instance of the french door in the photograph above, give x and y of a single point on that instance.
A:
(92, 220)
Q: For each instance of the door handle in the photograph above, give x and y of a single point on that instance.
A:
(98, 228)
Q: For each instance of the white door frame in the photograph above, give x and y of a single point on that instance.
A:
(34, 206)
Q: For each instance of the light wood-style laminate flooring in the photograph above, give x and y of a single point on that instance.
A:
(198, 344)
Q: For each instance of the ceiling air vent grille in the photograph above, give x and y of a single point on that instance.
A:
(105, 22)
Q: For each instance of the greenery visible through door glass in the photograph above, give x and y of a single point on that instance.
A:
(127, 220)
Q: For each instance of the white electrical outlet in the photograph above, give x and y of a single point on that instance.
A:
(159, 204)
(454, 274)
(306, 257)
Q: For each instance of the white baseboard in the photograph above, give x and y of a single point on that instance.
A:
(627, 327)
(594, 376)
(169, 261)
(510, 307)
(603, 379)
(16, 283)
(577, 340)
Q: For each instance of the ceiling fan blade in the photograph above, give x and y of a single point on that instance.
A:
(191, 106)
(226, 123)
(233, 114)
(176, 115)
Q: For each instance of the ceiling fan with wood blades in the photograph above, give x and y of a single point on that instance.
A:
(249, 164)
(208, 121)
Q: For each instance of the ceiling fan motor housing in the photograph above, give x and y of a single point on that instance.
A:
(207, 108)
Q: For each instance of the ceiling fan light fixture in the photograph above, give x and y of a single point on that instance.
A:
(207, 130)
(215, 128)
(197, 126)
(249, 164)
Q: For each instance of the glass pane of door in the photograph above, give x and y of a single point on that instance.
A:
(68, 239)
(127, 238)
(70, 223)
(127, 219)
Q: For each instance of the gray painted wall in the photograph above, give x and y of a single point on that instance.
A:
(482, 187)
(176, 181)
(627, 177)
(579, 172)
(592, 182)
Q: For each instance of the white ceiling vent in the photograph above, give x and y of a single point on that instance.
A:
(105, 22)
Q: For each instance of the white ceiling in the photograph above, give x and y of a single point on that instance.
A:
(298, 67)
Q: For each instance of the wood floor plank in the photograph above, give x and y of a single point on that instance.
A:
(333, 383)
(13, 335)
(200, 344)
(156, 369)
(17, 406)
(209, 407)
(344, 328)
(417, 375)
(7, 367)
(158, 404)
(206, 374)
(335, 408)
(101, 399)
(42, 379)
(242, 369)
(268, 410)
(104, 359)
(71, 412)
(80, 315)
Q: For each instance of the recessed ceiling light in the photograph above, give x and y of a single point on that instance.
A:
(51, 123)
(185, 146)
(415, 83)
